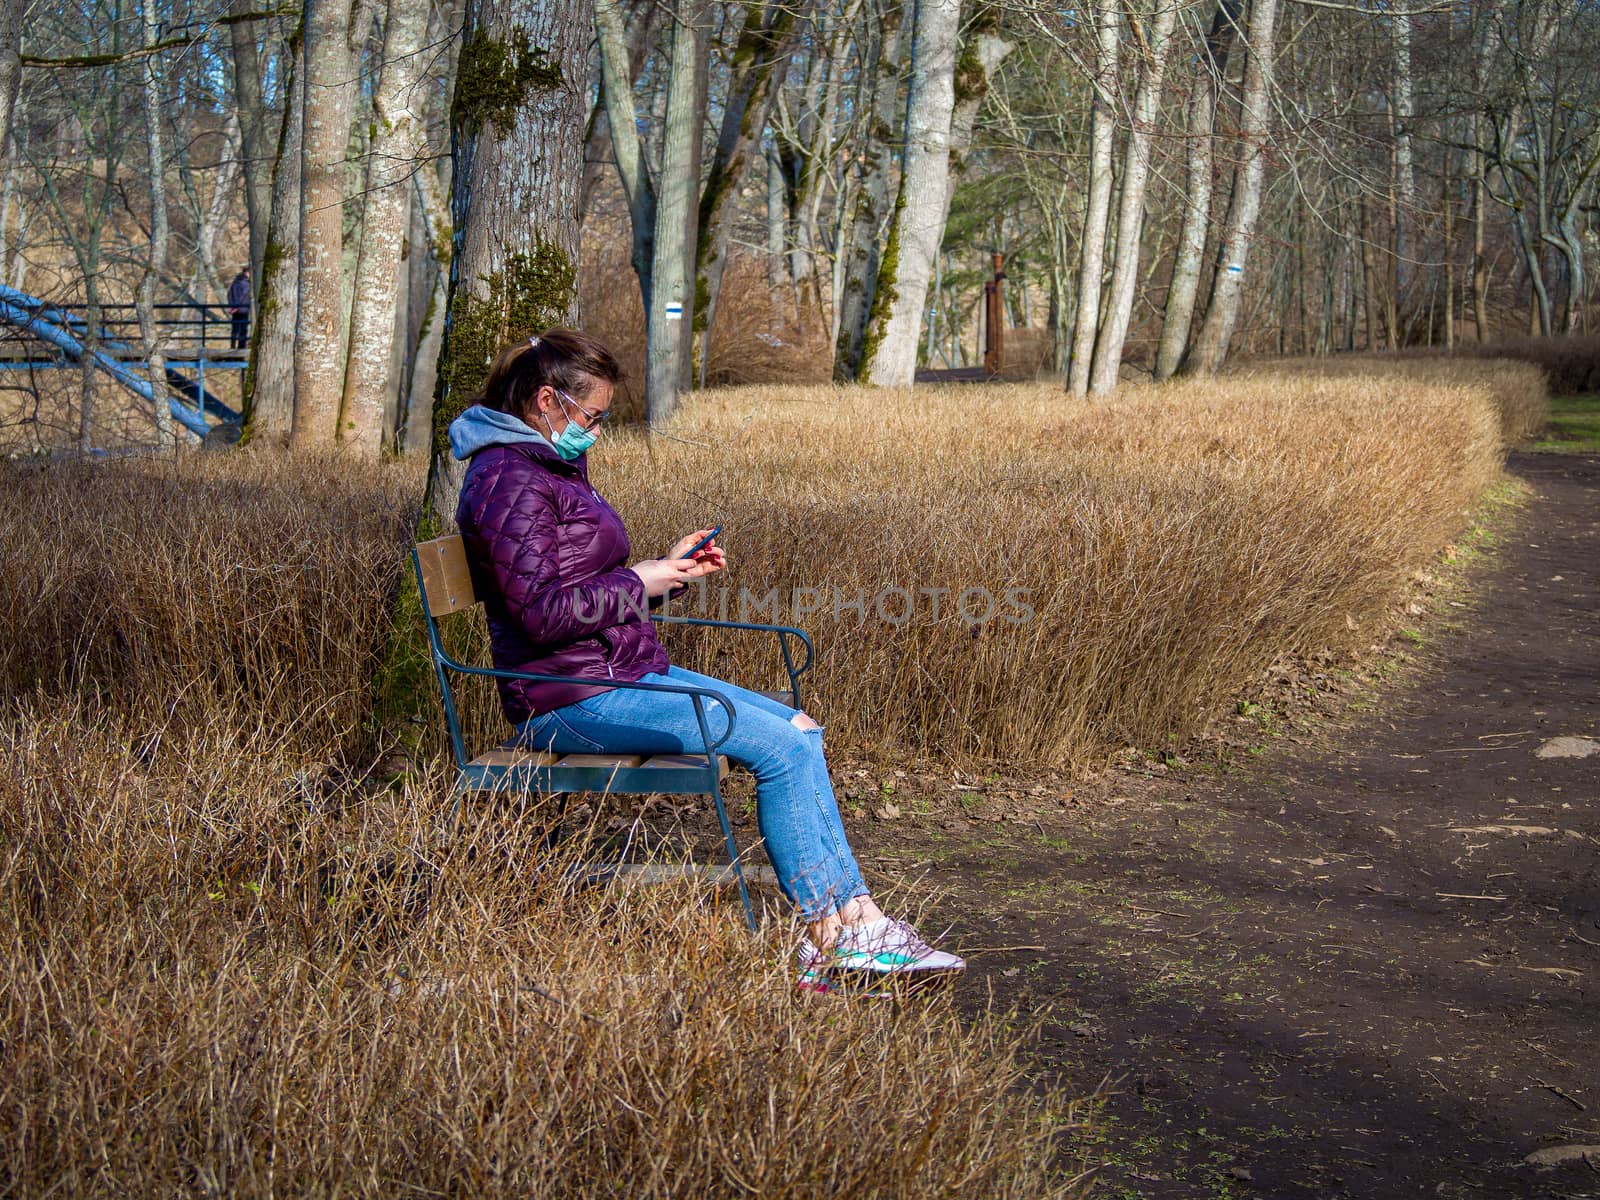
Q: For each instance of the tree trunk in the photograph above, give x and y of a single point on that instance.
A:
(617, 85)
(889, 355)
(10, 66)
(1092, 247)
(1480, 189)
(335, 31)
(1449, 208)
(269, 380)
(980, 58)
(1539, 320)
(872, 199)
(393, 156)
(1570, 242)
(521, 97)
(1244, 205)
(1369, 276)
(777, 253)
(254, 131)
(156, 262)
(431, 249)
(86, 370)
(1130, 213)
(671, 305)
(1405, 179)
(434, 210)
(16, 226)
(1190, 258)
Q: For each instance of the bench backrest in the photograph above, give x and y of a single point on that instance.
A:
(445, 585)
(443, 576)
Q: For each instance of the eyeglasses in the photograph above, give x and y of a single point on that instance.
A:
(594, 419)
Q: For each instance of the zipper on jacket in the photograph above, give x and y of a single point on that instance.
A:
(609, 650)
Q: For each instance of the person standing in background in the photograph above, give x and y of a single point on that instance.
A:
(239, 309)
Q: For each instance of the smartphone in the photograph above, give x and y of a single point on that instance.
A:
(702, 543)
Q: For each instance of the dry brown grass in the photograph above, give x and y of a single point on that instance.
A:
(1171, 543)
(234, 966)
(1518, 389)
(211, 990)
(233, 580)
(1571, 364)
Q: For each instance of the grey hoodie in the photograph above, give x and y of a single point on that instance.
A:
(479, 427)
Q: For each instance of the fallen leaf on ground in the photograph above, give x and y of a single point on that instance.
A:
(1568, 747)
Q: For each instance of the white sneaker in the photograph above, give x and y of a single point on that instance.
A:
(874, 948)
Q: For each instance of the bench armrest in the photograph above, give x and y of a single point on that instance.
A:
(783, 633)
(697, 695)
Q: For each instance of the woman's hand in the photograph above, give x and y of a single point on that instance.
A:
(708, 560)
(662, 575)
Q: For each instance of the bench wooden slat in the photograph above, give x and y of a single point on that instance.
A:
(686, 762)
(601, 760)
(505, 756)
(782, 696)
(446, 581)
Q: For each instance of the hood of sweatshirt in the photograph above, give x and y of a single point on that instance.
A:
(478, 428)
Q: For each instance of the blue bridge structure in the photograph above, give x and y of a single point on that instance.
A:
(195, 337)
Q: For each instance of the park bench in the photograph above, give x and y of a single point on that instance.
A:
(445, 584)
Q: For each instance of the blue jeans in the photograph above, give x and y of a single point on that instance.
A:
(795, 808)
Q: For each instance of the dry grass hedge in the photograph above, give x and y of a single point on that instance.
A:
(1571, 363)
(234, 580)
(1518, 387)
(1170, 544)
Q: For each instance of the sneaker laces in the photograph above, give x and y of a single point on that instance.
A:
(912, 939)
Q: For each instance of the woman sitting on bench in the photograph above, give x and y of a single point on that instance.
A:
(549, 557)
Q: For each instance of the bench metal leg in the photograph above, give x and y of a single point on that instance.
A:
(733, 852)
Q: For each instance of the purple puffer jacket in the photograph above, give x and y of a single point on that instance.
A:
(547, 555)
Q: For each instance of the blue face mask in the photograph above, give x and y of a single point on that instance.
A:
(572, 441)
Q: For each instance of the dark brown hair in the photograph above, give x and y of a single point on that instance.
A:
(566, 359)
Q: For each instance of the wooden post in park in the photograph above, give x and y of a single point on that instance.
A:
(994, 328)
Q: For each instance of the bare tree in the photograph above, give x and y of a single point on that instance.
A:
(335, 32)
(1107, 18)
(203, 282)
(10, 65)
(1244, 205)
(616, 75)
(156, 263)
(1154, 42)
(671, 306)
(269, 385)
(1210, 67)
(760, 57)
(889, 353)
(876, 158)
(254, 126)
(392, 159)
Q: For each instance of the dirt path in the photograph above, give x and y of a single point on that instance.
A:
(1369, 968)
